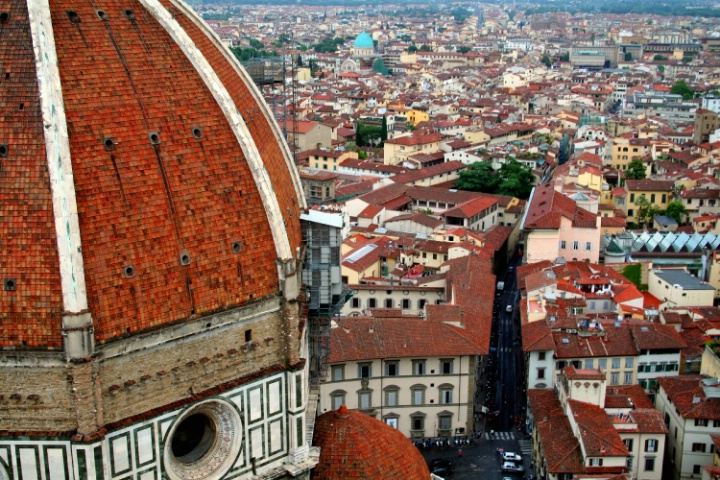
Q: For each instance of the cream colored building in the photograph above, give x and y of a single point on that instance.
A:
(422, 392)
(678, 288)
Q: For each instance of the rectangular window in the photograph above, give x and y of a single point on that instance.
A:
(541, 355)
(364, 370)
(615, 363)
(576, 245)
(589, 364)
(418, 396)
(563, 244)
(652, 198)
(629, 362)
(446, 395)
(541, 373)
(631, 212)
(614, 378)
(697, 469)
(588, 245)
(701, 422)
(418, 423)
(419, 367)
(664, 198)
(602, 363)
(445, 422)
(355, 303)
(372, 303)
(391, 398)
(627, 380)
(338, 373)
(628, 444)
(406, 304)
(392, 368)
(388, 303)
(698, 447)
(338, 400)
(651, 445)
(632, 197)
(446, 366)
(364, 400)
(649, 464)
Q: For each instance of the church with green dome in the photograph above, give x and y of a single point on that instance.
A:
(363, 55)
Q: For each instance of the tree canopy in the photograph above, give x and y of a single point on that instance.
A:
(646, 211)
(681, 88)
(636, 170)
(676, 210)
(513, 179)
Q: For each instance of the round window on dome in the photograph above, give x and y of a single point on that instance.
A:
(204, 442)
(193, 438)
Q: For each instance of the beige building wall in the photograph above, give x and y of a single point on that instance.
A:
(677, 296)
(345, 385)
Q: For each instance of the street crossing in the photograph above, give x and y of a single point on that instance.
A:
(500, 436)
(525, 447)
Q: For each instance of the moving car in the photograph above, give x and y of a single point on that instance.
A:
(511, 457)
(511, 467)
(441, 467)
(508, 308)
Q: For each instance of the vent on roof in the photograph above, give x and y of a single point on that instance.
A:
(643, 329)
(3, 149)
(108, 143)
(129, 271)
(197, 132)
(73, 16)
(184, 258)
(102, 14)
(566, 341)
(129, 14)
(4, 17)
(154, 138)
(9, 284)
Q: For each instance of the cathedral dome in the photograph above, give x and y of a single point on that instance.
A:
(355, 445)
(364, 40)
(143, 179)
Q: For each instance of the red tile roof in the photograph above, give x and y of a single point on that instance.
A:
(684, 390)
(597, 432)
(648, 185)
(138, 204)
(356, 445)
(547, 207)
(563, 453)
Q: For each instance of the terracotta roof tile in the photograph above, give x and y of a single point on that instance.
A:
(355, 445)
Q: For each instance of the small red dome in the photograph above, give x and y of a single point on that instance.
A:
(355, 445)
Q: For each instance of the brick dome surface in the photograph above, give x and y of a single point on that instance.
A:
(142, 178)
(355, 445)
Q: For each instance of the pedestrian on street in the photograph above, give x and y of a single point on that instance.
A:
(460, 456)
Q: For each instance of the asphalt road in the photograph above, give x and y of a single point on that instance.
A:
(481, 461)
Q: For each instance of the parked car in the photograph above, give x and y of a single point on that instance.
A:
(511, 457)
(508, 308)
(441, 467)
(512, 467)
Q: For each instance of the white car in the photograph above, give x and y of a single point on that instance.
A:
(511, 467)
(508, 308)
(511, 457)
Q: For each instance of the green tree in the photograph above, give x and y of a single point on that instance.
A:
(384, 129)
(425, 48)
(659, 58)
(565, 57)
(681, 88)
(463, 49)
(546, 60)
(676, 210)
(256, 44)
(412, 49)
(517, 180)
(628, 56)
(646, 211)
(379, 67)
(478, 177)
(299, 61)
(636, 170)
